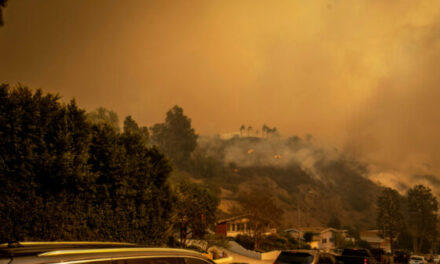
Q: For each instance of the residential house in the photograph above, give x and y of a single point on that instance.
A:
(293, 232)
(238, 225)
(375, 241)
(322, 238)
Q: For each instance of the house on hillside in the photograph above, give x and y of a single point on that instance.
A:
(322, 238)
(375, 241)
(239, 225)
(294, 233)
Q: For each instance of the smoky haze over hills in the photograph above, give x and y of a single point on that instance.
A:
(306, 179)
(359, 76)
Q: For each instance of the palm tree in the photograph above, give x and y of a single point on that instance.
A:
(264, 130)
(242, 128)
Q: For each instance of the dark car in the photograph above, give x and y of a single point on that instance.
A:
(356, 256)
(304, 257)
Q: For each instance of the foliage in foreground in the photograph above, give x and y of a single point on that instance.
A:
(65, 178)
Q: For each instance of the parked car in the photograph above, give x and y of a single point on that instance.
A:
(415, 259)
(95, 253)
(304, 257)
(356, 256)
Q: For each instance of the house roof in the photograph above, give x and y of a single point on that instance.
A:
(330, 229)
(372, 236)
(292, 230)
(373, 239)
(316, 230)
(232, 219)
(241, 217)
(311, 229)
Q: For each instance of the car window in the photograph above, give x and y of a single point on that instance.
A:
(295, 258)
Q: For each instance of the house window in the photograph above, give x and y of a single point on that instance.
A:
(332, 239)
(324, 240)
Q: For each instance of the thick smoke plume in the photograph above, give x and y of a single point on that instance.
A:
(269, 152)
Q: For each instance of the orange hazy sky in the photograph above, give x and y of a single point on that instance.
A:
(358, 75)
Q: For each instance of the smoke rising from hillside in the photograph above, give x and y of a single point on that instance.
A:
(398, 130)
(272, 152)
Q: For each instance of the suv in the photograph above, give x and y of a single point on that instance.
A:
(95, 253)
(304, 257)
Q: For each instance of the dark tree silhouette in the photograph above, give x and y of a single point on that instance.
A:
(422, 210)
(389, 216)
(63, 177)
(176, 138)
(242, 129)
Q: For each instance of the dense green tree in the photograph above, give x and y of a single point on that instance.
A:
(65, 178)
(103, 115)
(195, 210)
(176, 138)
(422, 212)
(131, 127)
(136, 201)
(389, 216)
(405, 240)
(43, 155)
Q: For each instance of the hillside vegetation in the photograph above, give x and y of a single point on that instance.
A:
(313, 182)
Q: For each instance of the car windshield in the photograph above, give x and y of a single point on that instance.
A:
(295, 258)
